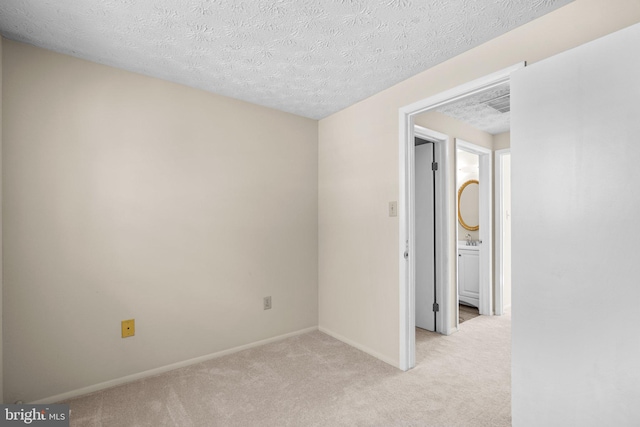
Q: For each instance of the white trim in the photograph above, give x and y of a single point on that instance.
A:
(499, 195)
(453, 329)
(407, 345)
(459, 92)
(152, 372)
(485, 306)
(406, 211)
(360, 347)
(405, 136)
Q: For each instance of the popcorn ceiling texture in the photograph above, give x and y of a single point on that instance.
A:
(307, 57)
(473, 111)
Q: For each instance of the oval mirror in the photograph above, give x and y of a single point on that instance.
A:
(468, 205)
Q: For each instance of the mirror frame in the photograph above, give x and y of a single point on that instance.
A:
(462, 223)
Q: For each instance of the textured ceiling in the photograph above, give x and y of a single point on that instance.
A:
(307, 57)
(474, 111)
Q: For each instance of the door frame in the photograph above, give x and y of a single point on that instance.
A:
(485, 304)
(499, 209)
(406, 241)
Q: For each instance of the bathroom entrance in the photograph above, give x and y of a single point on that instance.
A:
(474, 233)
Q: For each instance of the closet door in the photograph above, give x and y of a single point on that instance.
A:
(425, 282)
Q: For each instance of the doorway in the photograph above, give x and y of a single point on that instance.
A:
(474, 241)
(446, 287)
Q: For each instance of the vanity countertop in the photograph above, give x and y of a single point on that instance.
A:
(462, 244)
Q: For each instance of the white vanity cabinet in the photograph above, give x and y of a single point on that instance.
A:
(469, 275)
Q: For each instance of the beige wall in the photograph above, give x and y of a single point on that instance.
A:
(131, 197)
(454, 128)
(358, 299)
(502, 141)
(358, 172)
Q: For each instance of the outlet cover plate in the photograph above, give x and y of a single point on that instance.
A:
(128, 328)
(393, 209)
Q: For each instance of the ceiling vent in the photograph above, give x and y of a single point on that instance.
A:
(502, 103)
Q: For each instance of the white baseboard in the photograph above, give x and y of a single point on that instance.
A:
(361, 347)
(151, 372)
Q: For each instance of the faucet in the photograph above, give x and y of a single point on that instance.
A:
(468, 239)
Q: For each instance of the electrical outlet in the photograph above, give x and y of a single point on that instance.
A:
(128, 328)
(266, 302)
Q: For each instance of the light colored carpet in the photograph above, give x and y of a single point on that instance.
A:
(315, 380)
(466, 312)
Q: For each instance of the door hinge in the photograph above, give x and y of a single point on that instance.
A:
(434, 166)
(436, 307)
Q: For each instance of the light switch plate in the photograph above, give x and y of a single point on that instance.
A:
(393, 208)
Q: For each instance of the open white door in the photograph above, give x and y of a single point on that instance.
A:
(425, 237)
(575, 147)
(503, 231)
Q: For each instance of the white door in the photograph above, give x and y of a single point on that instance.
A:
(575, 154)
(503, 231)
(424, 205)
(506, 232)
